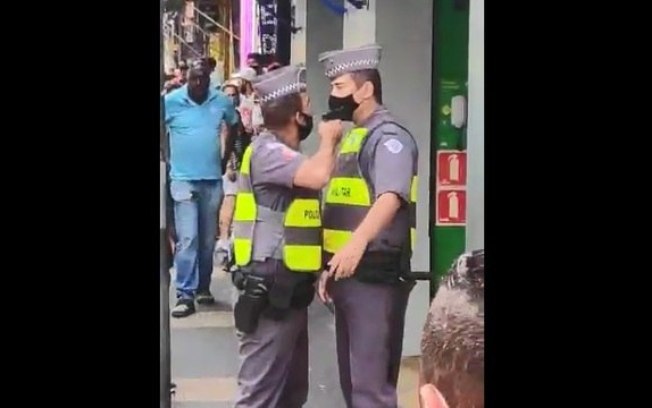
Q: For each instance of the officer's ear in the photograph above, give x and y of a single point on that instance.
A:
(305, 102)
(431, 397)
(365, 91)
(298, 118)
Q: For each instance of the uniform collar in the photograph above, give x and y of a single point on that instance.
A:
(380, 109)
(273, 137)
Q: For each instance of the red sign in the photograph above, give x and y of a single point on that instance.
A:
(451, 168)
(451, 207)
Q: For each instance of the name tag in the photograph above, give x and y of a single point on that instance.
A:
(311, 214)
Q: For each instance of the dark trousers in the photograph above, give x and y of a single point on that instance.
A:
(369, 323)
(274, 363)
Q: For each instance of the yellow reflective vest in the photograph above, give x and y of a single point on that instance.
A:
(302, 226)
(349, 198)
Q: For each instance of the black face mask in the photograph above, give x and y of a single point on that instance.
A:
(306, 127)
(341, 108)
(235, 99)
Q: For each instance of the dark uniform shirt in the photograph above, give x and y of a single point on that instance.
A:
(273, 167)
(387, 161)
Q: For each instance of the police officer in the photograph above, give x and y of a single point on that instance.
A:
(278, 243)
(369, 227)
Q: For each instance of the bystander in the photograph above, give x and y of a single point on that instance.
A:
(194, 114)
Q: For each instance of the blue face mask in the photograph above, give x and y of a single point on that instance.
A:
(235, 99)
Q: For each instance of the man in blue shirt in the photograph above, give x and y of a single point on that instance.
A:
(193, 115)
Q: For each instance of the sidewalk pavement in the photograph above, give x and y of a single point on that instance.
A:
(205, 360)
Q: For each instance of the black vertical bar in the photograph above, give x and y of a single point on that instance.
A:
(165, 368)
(283, 31)
(434, 281)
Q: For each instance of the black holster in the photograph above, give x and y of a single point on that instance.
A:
(290, 290)
(251, 304)
(284, 290)
(379, 267)
(393, 268)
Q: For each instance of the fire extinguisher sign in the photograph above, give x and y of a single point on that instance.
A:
(451, 168)
(451, 207)
(451, 188)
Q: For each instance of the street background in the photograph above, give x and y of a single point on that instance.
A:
(205, 359)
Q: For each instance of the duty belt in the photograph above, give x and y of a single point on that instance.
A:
(381, 267)
(285, 289)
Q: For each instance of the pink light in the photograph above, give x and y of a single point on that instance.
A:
(246, 22)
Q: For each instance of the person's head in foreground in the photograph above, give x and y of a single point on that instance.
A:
(285, 105)
(356, 88)
(452, 362)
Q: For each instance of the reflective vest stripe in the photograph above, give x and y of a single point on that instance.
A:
(413, 189)
(334, 240)
(244, 215)
(302, 258)
(413, 211)
(302, 240)
(348, 191)
(303, 213)
(354, 141)
(302, 236)
(338, 218)
(302, 251)
(348, 197)
(341, 217)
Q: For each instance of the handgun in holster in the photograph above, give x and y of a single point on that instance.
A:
(251, 303)
(290, 290)
(238, 279)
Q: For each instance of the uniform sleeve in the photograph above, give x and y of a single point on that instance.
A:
(275, 163)
(394, 158)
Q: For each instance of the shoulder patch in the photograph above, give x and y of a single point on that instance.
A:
(288, 154)
(393, 145)
(275, 145)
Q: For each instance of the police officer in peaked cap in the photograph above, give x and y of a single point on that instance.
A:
(369, 220)
(278, 242)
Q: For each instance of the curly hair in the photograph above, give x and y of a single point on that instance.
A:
(453, 340)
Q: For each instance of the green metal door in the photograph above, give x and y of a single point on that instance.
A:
(448, 188)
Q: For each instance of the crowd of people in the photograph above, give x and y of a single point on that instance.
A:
(238, 143)
(239, 90)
